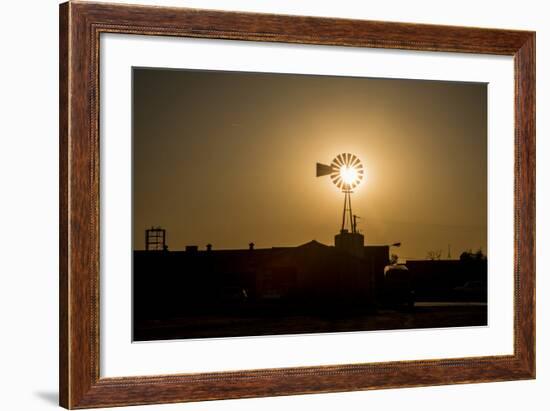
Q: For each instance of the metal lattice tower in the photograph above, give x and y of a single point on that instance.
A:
(155, 239)
(347, 214)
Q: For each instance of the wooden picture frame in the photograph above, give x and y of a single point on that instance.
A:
(81, 24)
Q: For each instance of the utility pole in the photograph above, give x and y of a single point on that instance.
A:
(354, 226)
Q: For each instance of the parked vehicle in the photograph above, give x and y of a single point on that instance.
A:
(398, 290)
(233, 295)
(471, 291)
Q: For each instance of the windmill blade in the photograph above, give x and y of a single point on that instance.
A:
(347, 157)
(323, 170)
(338, 161)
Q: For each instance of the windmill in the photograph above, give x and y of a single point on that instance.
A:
(346, 173)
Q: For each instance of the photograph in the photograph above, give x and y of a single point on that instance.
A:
(282, 203)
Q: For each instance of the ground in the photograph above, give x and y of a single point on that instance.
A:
(424, 315)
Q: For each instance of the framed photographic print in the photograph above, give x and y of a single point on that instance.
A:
(257, 205)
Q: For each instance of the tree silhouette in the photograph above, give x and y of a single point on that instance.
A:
(434, 255)
(469, 255)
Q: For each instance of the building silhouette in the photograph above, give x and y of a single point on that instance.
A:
(309, 277)
(313, 286)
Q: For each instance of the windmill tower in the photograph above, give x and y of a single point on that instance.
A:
(346, 173)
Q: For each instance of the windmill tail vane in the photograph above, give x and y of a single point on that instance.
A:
(323, 170)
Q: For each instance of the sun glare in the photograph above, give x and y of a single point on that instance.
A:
(348, 174)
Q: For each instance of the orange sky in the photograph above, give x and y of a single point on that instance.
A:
(229, 158)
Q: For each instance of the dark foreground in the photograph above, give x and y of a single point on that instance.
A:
(424, 315)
